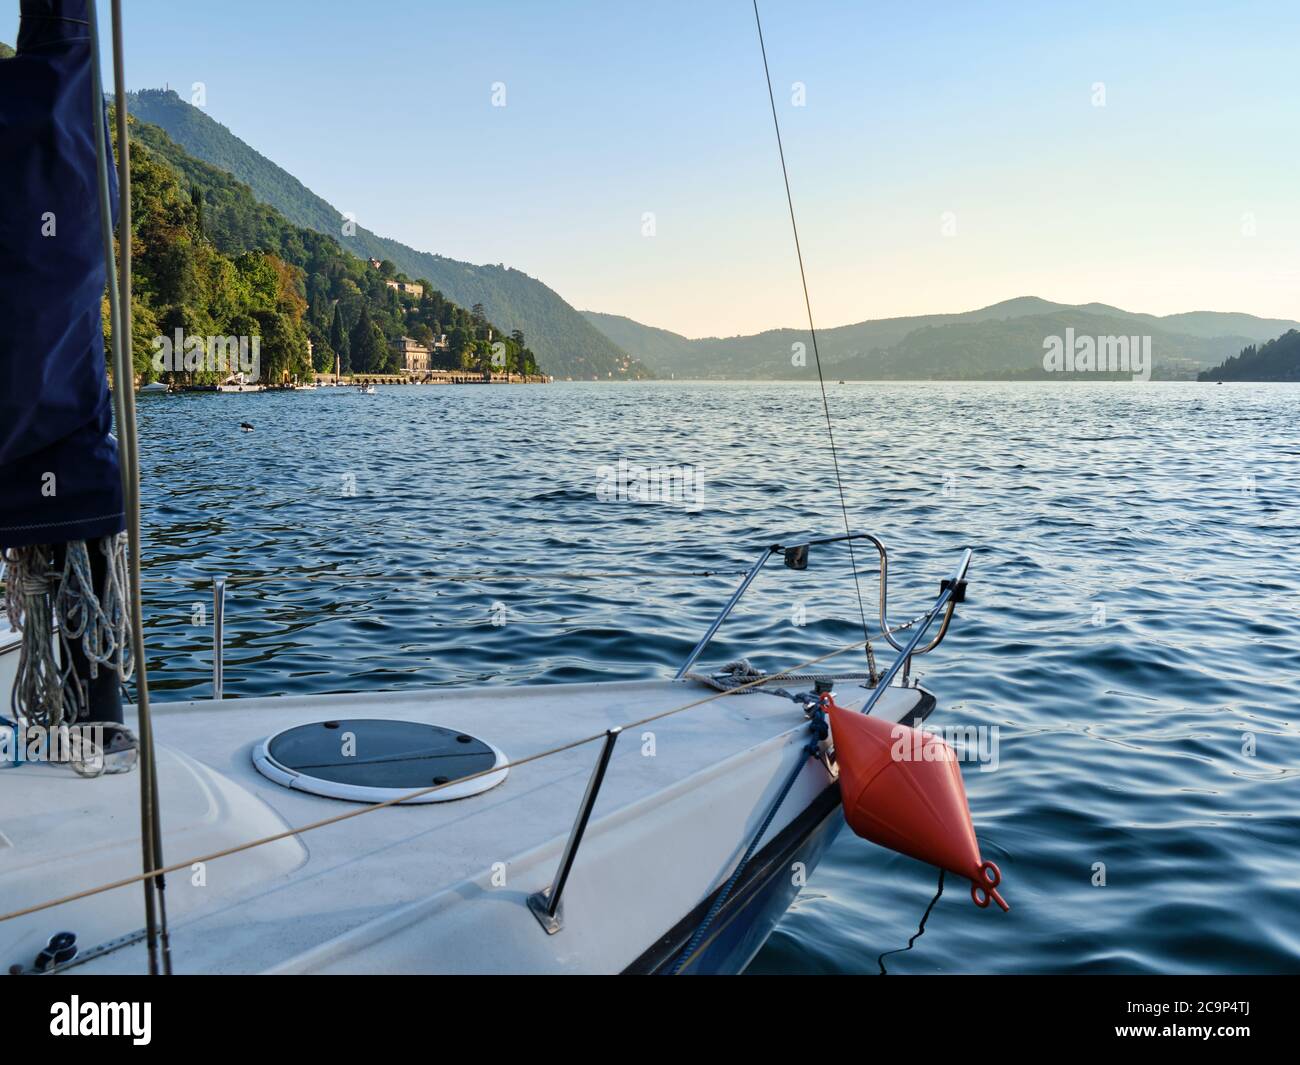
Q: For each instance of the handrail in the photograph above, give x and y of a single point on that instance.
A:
(906, 651)
(722, 616)
(951, 592)
(220, 584)
(218, 638)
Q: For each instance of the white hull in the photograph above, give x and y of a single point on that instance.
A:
(436, 888)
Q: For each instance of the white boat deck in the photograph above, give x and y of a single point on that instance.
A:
(420, 888)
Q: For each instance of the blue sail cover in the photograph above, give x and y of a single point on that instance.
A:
(59, 474)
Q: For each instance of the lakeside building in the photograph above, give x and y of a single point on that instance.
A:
(407, 288)
(413, 356)
(416, 358)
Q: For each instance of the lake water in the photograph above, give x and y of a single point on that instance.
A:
(1132, 629)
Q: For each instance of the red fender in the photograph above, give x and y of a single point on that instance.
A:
(902, 788)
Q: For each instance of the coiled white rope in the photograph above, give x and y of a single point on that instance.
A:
(98, 617)
(56, 610)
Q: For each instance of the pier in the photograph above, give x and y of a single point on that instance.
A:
(435, 377)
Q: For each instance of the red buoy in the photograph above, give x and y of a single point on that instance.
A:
(902, 789)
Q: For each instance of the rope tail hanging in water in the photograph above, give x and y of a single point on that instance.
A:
(920, 931)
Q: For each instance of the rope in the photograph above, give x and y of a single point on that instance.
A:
(54, 609)
(812, 329)
(820, 730)
(97, 617)
(347, 815)
(231, 580)
(919, 932)
(738, 675)
(41, 686)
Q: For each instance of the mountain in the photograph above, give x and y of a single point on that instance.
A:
(655, 347)
(213, 262)
(5, 50)
(1014, 348)
(1004, 340)
(565, 342)
(1276, 360)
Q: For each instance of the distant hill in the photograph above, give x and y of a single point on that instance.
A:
(1013, 348)
(655, 347)
(5, 50)
(567, 345)
(1004, 340)
(1277, 360)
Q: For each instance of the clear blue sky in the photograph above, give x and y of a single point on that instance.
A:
(1179, 194)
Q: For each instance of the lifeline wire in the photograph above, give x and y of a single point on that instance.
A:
(826, 408)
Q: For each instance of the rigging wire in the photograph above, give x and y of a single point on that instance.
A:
(129, 432)
(812, 329)
(118, 280)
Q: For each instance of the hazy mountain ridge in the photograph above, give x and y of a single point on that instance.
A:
(1003, 340)
(566, 343)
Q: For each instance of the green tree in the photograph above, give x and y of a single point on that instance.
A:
(283, 347)
(340, 340)
(368, 344)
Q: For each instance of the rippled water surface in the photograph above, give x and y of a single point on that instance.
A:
(1132, 629)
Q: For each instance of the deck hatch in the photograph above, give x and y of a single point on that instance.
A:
(374, 760)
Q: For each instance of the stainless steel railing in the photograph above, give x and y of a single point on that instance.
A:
(796, 556)
(218, 637)
(794, 553)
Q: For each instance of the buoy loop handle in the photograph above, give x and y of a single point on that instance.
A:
(986, 887)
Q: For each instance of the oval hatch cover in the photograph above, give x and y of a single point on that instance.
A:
(374, 760)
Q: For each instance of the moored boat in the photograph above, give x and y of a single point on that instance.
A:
(632, 803)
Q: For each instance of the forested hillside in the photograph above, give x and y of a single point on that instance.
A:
(566, 343)
(1277, 360)
(212, 261)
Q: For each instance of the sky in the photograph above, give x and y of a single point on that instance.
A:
(943, 156)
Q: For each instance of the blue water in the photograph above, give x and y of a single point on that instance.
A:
(1132, 626)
